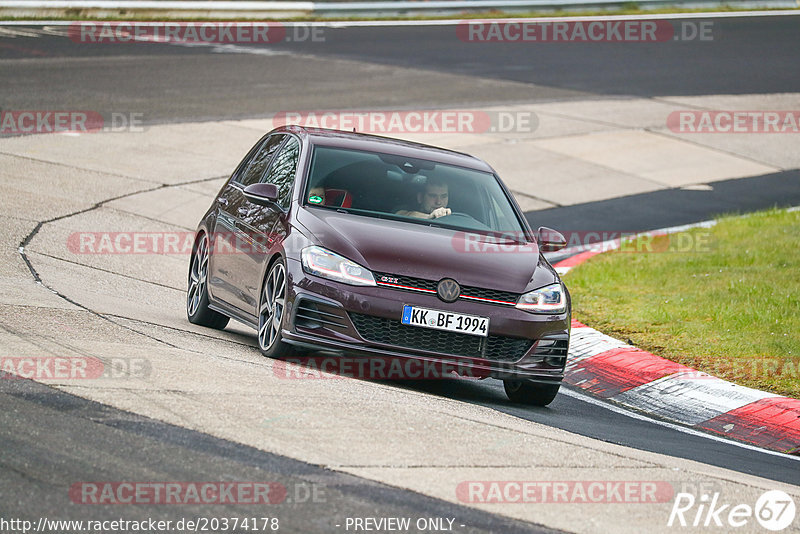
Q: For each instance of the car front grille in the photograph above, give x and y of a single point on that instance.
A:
(392, 332)
(410, 283)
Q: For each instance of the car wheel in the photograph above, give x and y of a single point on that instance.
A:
(197, 309)
(526, 392)
(271, 308)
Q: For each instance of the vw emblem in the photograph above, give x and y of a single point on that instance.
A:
(448, 290)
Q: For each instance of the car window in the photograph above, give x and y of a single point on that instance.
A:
(283, 169)
(242, 167)
(502, 215)
(384, 185)
(258, 166)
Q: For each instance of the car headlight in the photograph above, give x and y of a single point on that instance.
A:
(548, 299)
(327, 264)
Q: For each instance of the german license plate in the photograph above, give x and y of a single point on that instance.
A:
(473, 325)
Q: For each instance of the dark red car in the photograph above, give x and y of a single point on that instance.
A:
(377, 247)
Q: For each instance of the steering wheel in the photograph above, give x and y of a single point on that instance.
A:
(465, 220)
(457, 214)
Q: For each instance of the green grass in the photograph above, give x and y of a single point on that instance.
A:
(729, 306)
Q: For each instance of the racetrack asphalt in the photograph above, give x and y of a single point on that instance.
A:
(172, 84)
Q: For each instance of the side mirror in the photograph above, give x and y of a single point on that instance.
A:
(261, 194)
(550, 240)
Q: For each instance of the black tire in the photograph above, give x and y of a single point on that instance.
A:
(271, 312)
(527, 392)
(197, 310)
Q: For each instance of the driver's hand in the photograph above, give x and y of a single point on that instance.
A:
(440, 212)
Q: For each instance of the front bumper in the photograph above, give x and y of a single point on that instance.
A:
(365, 321)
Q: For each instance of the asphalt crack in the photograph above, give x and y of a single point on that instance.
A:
(28, 238)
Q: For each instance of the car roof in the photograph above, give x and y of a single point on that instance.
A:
(388, 145)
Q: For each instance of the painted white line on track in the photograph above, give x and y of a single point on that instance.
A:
(608, 406)
(222, 48)
(454, 22)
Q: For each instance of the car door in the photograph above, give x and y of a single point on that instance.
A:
(230, 241)
(268, 225)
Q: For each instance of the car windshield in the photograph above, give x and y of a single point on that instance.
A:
(388, 186)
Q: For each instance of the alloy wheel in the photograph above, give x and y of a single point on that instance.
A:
(270, 314)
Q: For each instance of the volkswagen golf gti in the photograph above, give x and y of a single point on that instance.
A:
(354, 244)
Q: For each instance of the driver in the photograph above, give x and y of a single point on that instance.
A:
(431, 202)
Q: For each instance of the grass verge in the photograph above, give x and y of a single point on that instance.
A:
(724, 300)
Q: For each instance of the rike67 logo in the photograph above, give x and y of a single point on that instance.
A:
(774, 510)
